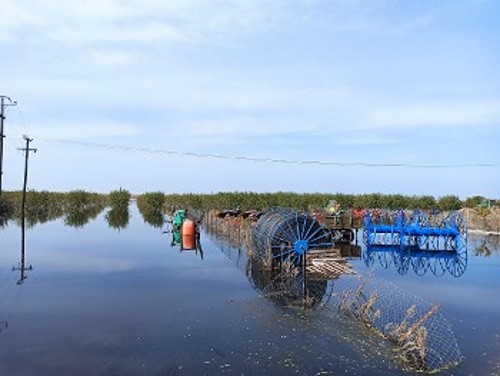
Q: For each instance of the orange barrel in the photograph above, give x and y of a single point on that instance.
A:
(188, 233)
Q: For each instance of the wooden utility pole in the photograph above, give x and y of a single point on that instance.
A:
(4, 102)
(26, 150)
(22, 266)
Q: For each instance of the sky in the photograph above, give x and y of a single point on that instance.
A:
(350, 96)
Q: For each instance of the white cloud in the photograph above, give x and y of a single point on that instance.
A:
(356, 138)
(83, 130)
(109, 57)
(14, 17)
(436, 114)
(242, 128)
(141, 22)
(152, 21)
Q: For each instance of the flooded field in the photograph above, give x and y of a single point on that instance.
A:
(107, 300)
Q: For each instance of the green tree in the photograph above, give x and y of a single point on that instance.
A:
(150, 206)
(474, 201)
(450, 202)
(119, 199)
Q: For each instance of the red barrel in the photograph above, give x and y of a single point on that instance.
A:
(188, 234)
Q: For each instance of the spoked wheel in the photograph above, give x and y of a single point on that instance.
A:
(368, 257)
(295, 235)
(459, 223)
(420, 265)
(401, 262)
(385, 259)
(438, 266)
(457, 264)
(283, 235)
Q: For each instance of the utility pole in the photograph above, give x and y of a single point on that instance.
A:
(22, 266)
(4, 102)
(26, 150)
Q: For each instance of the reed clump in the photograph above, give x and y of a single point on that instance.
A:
(421, 340)
(151, 207)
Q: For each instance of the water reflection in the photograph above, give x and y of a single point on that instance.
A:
(287, 287)
(78, 217)
(177, 241)
(349, 251)
(22, 267)
(118, 218)
(420, 261)
(486, 245)
(3, 220)
(150, 206)
(9, 302)
(420, 335)
(32, 217)
(153, 218)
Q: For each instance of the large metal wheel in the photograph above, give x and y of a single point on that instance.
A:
(284, 235)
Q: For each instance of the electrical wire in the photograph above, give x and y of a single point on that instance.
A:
(259, 159)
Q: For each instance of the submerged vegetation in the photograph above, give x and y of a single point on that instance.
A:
(118, 218)
(119, 199)
(118, 215)
(150, 206)
(82, 206)
(79, 206)
(6, 210)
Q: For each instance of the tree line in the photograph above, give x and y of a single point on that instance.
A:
(312, 201)
(46, 205)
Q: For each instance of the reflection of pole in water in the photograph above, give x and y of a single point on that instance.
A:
(22, 264)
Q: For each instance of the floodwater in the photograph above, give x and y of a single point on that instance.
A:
(101, 301)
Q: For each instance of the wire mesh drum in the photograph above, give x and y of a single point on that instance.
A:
(284, 235)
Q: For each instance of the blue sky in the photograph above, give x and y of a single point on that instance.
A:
(342, 81)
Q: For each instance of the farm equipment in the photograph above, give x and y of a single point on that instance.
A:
(185, 231)
(342, 223)
(416, 229)
(420, 261)
(422, 241)
(292, 260)
(285, 235)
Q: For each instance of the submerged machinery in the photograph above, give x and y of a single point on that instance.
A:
(417, 240)
(288, 245)
(435, 231)
(185, 231)
(283, 235)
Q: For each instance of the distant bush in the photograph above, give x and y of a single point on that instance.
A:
(449, 202)
(6, 208)
(150, 206)
(474, 201)
(119, 199)
(82, 206)
(309, 201)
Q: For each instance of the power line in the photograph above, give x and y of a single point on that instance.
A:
(261, 159)
(5, 101)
